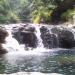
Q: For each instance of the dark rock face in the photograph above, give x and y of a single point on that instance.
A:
(3, 35)
(2, 50)
(29, 39)
(57, 37)
(65, 37)
(49, 40)
(52, 37)
(25, 35)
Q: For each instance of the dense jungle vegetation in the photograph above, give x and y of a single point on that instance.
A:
(36, 11)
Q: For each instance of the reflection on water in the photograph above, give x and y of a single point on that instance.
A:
(60, 62)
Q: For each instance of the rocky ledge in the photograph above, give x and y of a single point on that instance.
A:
(52, 36)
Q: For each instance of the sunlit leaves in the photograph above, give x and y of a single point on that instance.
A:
(33, 10)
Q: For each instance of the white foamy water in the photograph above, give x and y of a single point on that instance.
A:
(12, 44)
(38, 35)
(32, 73)
(18, 58)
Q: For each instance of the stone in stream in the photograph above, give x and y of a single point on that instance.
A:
(65, 37)
(3, 35)
(25, 35)
(57, 37)
(2, 50)
(54, 37)
(29, 39)
(49, 39)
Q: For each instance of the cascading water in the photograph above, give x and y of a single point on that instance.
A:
(47, 37)
(44, 56)
(38, 35)
(11, 43)
(56, 37)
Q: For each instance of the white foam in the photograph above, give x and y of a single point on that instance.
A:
(38, 35)
(12, 44)
(32, 73)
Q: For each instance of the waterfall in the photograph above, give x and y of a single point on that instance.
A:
(11, 43)
(38, 35)
(51, 33)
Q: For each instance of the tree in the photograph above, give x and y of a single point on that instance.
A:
(51, 10)
(35, 11)
(62, 7)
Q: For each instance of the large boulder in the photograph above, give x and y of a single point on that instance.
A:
(2, 50)
(49, 39)
(65, 37)
(51, 36)
(57, 37)
(29, 39)
(3, 35)
(25, 35)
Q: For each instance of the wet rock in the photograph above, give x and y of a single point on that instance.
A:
(65, 37)
(27, 28)
(49, 39)
(52, 37)
(29, 39)
(25, 35)
(2, 50)
(3, 35)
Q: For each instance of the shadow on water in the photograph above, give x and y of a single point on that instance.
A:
(59, 61)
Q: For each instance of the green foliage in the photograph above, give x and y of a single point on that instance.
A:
(9, 11)
(69, 14)
(42, 10)
(12, 17)
(36, 11)
(42, 14)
